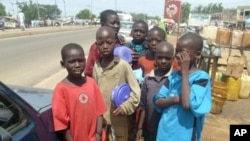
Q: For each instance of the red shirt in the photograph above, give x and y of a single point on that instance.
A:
(77, 108)
(94, 55)
(175, 65)
(148, 65)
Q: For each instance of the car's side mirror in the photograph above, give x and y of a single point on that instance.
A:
(4, 135)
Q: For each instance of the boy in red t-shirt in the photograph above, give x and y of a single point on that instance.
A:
(77, 103)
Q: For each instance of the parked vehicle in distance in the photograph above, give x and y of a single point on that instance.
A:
(2, 23)
(125, 17)
(8, 23)
(25, 114)
(125, 30)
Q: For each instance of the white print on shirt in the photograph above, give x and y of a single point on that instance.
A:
(83, 98)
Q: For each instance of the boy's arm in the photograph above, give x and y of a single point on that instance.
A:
(66, 134)
(131, 104)
(60, 114)
(185, 87)
(162, 99)
(166, 102)
(200, 95)
(99, 128)
(185, 91)
(93, 56)
(143, 103)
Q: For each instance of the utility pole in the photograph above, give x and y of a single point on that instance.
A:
(38, 12)
(55, 12)
(115, 5)
(13, 9)
(64, 8)
(91, 9)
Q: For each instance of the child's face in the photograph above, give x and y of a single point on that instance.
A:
(139, 32)
(185, 47)
(164, 57)
(105, 42)
(74, 62)
(154, 38)
(113, 22)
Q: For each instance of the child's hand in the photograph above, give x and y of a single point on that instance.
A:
(184, 59)
(139, 134)
(121, 39)
(176, 99)
(118, 112)
(135, 56)
(98, 137)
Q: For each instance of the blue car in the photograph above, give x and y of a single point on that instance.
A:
(25, 114)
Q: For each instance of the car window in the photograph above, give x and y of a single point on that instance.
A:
(11, 116)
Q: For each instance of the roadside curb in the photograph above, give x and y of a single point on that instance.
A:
(53, 79)
(42, 30)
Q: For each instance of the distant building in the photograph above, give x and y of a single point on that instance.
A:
(229, 15)
(243, 13)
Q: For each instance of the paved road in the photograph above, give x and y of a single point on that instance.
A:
(28, 60)
(216, 125)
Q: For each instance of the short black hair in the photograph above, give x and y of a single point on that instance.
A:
(69, 46)
(161, 31)
(165, 44)
(141, 22)
(104, 15)
(196, 39)
(105, 28)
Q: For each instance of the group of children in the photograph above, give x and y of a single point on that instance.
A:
(171, 102)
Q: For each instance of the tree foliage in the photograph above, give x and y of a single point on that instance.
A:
(145, 17)
(210, 8)
(32, 11)
(2, 10)
(186, 7)
(85, 14)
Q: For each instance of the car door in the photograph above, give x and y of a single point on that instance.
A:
(18, 121)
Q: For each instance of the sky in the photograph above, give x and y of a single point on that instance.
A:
(150, 7)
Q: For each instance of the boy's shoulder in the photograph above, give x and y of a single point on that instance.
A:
(122, 62)
(200, 74)
(142, 58)
(63, 84)
(131, 44)
(89, 80)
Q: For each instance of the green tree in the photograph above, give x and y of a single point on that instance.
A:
(49, 11)
(31, 12)
(2, 10)
(198, 9)
(185, 11)
(85, 14)
(139, 16)
(215, 7)
(210, 8)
